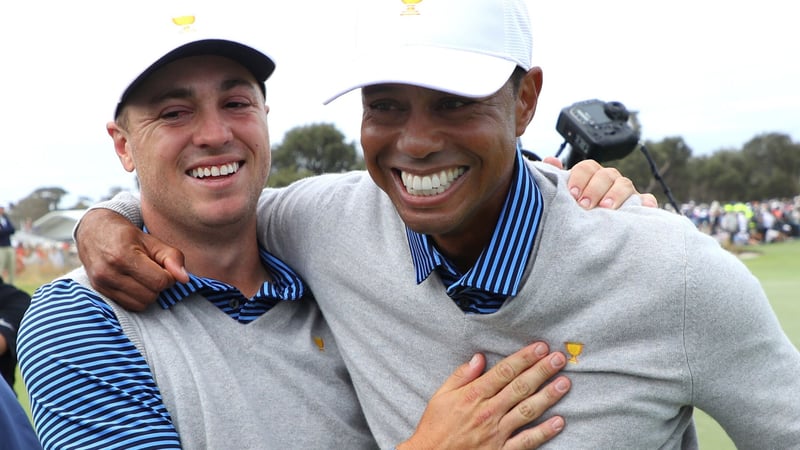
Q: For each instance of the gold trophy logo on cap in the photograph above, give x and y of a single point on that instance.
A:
(185, 22)
(410, 8)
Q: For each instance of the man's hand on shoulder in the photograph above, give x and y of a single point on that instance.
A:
(124, 263)
(593, 185)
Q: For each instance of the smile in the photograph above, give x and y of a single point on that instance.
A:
(427, 185)
(215, 171)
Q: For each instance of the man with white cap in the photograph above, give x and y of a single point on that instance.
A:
(237, 355)
(650, 332)
(501, 254)
(199, 369)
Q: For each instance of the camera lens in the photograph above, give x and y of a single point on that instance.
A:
(616, 111)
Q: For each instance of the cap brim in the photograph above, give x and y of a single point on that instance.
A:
(259, 64)
(456, 72)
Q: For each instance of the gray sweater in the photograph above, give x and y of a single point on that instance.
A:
(275, 383)
(667, 319)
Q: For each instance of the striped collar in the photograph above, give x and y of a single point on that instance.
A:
(286, 285)
(502, 263)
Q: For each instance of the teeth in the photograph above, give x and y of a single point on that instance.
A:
(215, 171)
(427, 185)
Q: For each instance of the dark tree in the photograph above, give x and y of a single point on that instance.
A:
(311, 150)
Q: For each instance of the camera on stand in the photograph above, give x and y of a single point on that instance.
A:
(596, 130)
(602, 131)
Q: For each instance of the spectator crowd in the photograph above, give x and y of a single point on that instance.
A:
(747, 223)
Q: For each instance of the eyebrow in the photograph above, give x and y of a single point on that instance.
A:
(182, 93)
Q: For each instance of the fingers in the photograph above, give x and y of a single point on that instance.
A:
(133, 281)
(615, 195)
(118, 258)
(649, 200)
(553, 161)
(580, 177)
(589, 182)
(471, 411)
(535, 437)
(168, 258)
(527, 406)
(501, 376)
(593, 185)
(130, 294)
(535, 406)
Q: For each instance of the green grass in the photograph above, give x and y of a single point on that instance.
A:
(777, 267)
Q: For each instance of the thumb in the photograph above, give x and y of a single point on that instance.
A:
(170, 258)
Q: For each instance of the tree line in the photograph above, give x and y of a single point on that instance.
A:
(766, 167)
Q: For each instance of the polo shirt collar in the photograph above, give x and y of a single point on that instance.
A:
(286, 284)
(501, 265)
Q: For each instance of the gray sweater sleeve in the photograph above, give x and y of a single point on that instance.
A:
(125, 204)
(737, 354)
(128, 205)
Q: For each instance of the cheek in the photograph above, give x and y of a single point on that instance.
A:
(370, 143)
(373, 168)
(266, 164)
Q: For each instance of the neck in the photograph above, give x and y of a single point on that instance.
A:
(228, 253)
(465, 249)
(464, 245)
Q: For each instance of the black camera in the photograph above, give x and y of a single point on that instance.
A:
(596, 130)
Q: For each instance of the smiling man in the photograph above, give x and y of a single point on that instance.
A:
(232, 357)
(237, 355)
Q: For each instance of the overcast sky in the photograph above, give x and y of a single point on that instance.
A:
(716, 73)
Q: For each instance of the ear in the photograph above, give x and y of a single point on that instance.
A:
(121, 145)
(527, 98)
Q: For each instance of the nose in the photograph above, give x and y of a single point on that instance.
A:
(211, 130)
(419, 137)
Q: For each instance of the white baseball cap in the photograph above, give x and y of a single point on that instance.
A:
(464, 47)
(158, 39)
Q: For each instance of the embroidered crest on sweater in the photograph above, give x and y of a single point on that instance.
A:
(574, 349)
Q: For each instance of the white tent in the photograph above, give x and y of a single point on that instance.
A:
(53, 227)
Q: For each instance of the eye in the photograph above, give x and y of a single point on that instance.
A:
(237, 104)
(383, 105)
(173, 114)
(454, 103)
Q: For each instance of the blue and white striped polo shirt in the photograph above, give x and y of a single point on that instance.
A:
(89, 385)
(498, 271)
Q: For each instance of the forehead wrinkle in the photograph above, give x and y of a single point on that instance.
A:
(229, 84)
(172, 93)
(188, 92)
